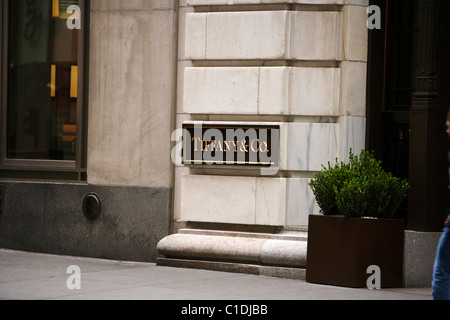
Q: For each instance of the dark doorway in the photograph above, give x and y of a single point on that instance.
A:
(392, 72)
(409, 143)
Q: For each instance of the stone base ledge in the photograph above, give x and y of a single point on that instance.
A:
(269, 271)
(236, 249)
(420, 254)
(282, 254)
(285, 234)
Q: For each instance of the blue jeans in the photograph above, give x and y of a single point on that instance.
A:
(441, 275)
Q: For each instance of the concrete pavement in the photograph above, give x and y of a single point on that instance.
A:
(32, 276)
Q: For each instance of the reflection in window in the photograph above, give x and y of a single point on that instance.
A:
(43, 81)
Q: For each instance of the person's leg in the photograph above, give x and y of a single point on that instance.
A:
(441, 276)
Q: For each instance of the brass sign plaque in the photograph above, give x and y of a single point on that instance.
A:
(228, 144)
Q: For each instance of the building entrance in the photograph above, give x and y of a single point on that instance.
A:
(406, 108)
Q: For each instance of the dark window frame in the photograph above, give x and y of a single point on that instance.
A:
(46, 169)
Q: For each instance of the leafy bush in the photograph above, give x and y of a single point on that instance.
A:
(360, 188)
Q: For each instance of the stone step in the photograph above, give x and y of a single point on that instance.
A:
(283, 235)
(282, 254)
(245, 268)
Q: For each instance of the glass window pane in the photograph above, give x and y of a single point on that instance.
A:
(42, 86)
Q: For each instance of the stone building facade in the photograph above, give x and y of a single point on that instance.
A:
(146, 69)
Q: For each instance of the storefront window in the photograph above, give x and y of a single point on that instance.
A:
(42, 109)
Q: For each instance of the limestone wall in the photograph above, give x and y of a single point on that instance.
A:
(132, 91)
(298, 63)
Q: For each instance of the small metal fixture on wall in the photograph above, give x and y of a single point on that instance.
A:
(92, 206)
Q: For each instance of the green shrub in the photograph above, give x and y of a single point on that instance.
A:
(325, 185)
(360, 188)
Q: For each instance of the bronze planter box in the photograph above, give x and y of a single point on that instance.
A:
(341, 249)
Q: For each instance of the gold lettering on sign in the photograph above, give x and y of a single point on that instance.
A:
(229, 145)
(219, 146)
(235, 146)
(256, 145)
(196, 140)
(243, 147)
(264, 147)
(252, 145)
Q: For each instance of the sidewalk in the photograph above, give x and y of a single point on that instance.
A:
(33, 276)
